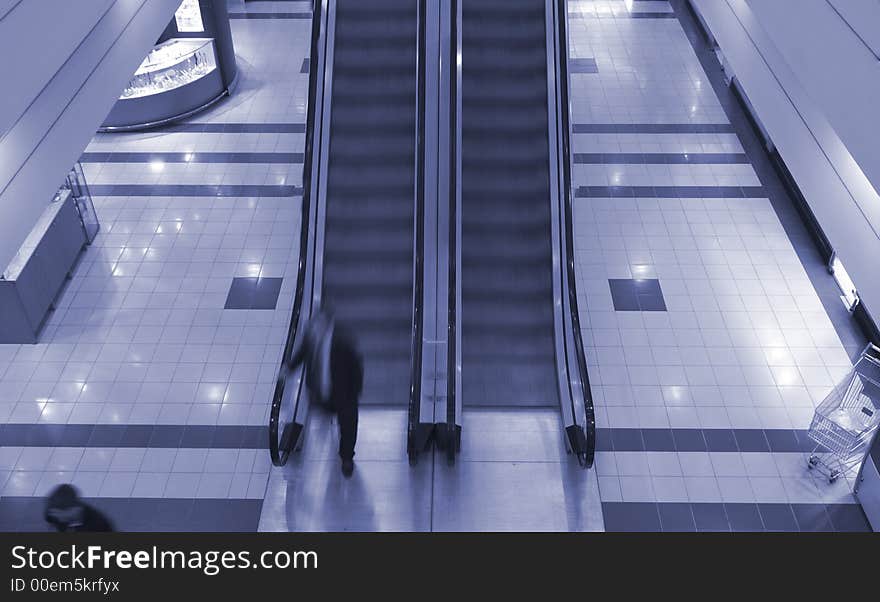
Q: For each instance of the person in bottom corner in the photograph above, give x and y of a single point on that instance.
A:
(65, 511)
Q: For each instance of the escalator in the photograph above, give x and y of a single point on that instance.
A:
(368, 256)
(518, 339)
(507, 289)
(361, 241)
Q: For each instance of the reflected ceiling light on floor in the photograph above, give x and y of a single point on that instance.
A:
(640, 272)
(157, 166)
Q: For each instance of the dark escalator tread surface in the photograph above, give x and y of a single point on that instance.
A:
(507, 288)
(368, 251)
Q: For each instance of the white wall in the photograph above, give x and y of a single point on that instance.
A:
(64, 64)
(838, 71)
(806, 74)
(864, 17)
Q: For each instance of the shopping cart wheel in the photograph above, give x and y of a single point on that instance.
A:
(812, 462)
(833, 476)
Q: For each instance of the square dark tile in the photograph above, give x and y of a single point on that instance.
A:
(583, 66)
(603, 440)
(167, 435)
(225, 515)
(256, 437)
(782, 440)
(15, 435)
(127, 514)
(651, 302)
(266, 293)
(172, 514)
(623, 295)
(658, 440)
(778, 517)
(720, 440)
(48, 435)
(107, 435)
(241, 293)
(227, 437)
(631, 516)
(646, 286)
(806, 444)
(643, 294)
(77, 435)
(751, 440)
(21, 514)
(744, 517)
(676, 517)
(198, 436)
(137, 435)
(253, 293)
(687, 440)
(848, 518)
(627, 439)
(812, 517)
(710, 517)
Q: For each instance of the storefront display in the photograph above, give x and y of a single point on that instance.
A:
(172, 64)
(191, 67)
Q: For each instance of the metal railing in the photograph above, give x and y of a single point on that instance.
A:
(281, 443)
(582, 429)
(414, 444)
(453, 358)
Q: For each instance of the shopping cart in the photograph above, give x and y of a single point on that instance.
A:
(844, 424)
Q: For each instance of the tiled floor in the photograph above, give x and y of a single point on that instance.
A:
(144, 391)
(701, 408)
(149, 387)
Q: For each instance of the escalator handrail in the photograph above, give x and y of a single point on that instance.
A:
(452, 311)
(416, 355)
(568, 208)
(279, 456)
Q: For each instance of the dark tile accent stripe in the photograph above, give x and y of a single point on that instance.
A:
(166, 157)
(23, 514)
(272, 16)
(715, 440)
(685, 516)
(650, 15)
(242, 190)
(237, 128)
(134, 435)
(586, 65)
(653, 128)
(621, 15)
(672, 192)
(661, 158)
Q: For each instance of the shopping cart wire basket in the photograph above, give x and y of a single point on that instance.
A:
(846, 421)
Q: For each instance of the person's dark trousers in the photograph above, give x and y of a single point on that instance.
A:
(347, 415)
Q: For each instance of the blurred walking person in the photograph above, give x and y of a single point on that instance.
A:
(334, 372)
